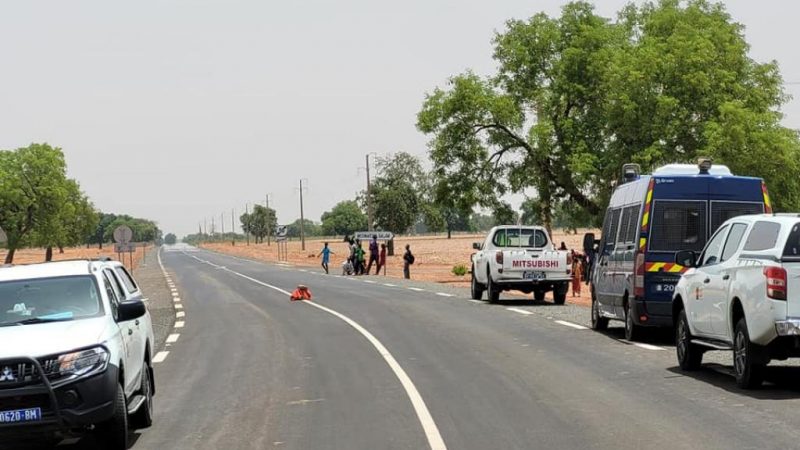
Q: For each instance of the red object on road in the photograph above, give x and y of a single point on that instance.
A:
(301, 293)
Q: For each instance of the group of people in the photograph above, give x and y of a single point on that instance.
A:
(357, 263)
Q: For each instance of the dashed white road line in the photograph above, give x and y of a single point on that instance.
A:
(160, 357)
(368, 281)
(173, 338)
(180, 324)
(444, 294)
(571, 325)
(175, 294)
(180, 314)
(432, 434)
(176, 299)
(520, 311)
(389, 285)
(415, 289)
(476, 301)
(178, 306)
(647, 346)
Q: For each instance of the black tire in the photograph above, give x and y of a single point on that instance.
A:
(113, 433)
(747, 367)
(633, 332)
(598, 323)
(143, 418)
(476, 288)
(560, 293)
(690, 356)
(492, 292)
(539, 295)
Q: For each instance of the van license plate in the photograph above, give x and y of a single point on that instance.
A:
(21, 415)
(533, 276)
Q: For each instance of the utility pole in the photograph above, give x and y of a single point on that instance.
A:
(222, 224)
(369, 199)
(269, 222)
(302, 219)
(247, 213)
(213, 229)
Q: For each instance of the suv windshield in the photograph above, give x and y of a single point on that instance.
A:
(519, 237)
(48, 300)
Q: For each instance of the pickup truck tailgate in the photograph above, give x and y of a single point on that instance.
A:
(535, 264)
(792, 288)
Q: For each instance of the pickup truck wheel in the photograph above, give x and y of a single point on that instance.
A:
(491, 291)
(476, 288)
(560, 293)
(633, 332)
(690, 356)
(143, 418)
(538, 296)
(599, 323)
(113, 433)
(749, 373)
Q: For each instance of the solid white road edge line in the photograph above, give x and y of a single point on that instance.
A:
(160, 357)
(570, 324)
(426, 420)
(521, 311)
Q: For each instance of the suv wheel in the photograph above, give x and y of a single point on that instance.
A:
(113, 433)
(475, 287)
(560, 293)
(143, 418)
(538, 296)
(749, 373)
(599, 323)
(492, 292)
(690, 356)
(633, 332)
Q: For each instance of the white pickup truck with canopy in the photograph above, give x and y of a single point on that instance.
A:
(521, 258)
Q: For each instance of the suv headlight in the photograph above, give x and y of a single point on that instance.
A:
(80, 363)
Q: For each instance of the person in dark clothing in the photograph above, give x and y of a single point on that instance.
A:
(563, 246)
(373, 254)
(408, 260)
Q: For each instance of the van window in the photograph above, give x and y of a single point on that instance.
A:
(734, 240)
(516, 237)
(722, 211)
(629, 225)
(613, 227)
(678, 225)
(763, 236)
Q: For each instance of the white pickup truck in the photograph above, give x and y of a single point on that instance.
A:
(520, 258)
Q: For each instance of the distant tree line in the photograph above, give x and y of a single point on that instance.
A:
(41, 207)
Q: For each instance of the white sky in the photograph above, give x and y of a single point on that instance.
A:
(180, 110)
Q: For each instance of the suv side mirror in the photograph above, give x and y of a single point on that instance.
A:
(476, 245)
(686, 258)
(131, 310)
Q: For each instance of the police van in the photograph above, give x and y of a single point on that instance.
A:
(649, 219)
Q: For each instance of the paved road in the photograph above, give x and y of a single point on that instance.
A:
(251, 370)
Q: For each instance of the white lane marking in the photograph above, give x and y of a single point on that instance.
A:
(520, 311)
(571, 325)
(176, 299)
(368, 281)
(180, 314)
(160, 357)
(416, 289)
(180, 324)
(435, 440)
(173, 338)
(175, 294)
(477, 301)
(173, 290)
(178, 306)
(647, 346)
(443, 294)
(389, 285)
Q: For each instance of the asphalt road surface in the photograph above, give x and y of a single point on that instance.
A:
(388, 367)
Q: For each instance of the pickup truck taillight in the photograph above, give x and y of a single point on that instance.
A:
(776, 282)
(498, 257)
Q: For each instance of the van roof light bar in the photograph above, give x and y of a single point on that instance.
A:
(704, 164)
(630, 172)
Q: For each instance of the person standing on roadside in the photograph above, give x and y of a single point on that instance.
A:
(381, 259)
(326, 257)
(359, 258)
(373, 254)
(408, 260)
(577, 275)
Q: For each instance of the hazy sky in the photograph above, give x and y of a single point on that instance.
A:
(180, 110)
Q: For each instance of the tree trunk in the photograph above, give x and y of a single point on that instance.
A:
(390, 248)
(10, 255)
(48, 254)
(60, 250)
(449, 233)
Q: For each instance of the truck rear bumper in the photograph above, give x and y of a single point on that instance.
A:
(790, 327)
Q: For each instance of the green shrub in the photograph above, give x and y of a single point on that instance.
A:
(460, 270)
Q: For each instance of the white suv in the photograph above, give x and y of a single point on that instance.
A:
(75, 354)
(742, 294)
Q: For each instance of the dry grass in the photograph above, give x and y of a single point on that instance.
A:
(435, 256)
(36, 255)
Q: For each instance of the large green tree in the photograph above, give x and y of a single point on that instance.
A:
(576, 96)
(398, 192)
(344, 219)
(262, 222)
